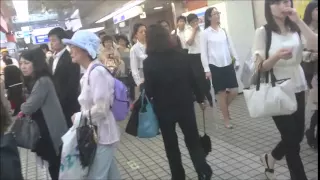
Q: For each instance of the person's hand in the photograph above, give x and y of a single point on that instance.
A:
(208, 75)
(203, 106)
(73, 118)
(236, 67)
(284, 53)
(20, 115)
(292, 14)
(195, 27)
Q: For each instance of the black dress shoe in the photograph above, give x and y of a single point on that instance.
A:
(311, 140)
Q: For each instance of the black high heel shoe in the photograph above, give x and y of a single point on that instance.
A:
(311, 140)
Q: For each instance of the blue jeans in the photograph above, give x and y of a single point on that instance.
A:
(104, 165)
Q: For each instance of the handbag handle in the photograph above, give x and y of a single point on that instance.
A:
(86, 118)
(144, 96)
(204, 121)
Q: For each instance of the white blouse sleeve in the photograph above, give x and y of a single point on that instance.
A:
(259, 45)
(135, 65)
(204, 51)
(102, 89)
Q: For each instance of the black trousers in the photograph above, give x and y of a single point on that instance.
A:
(291, 128)
(188, 125)
(54, 166)
(198, 71)
(314, 121)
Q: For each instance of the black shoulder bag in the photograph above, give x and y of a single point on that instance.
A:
(87, 141)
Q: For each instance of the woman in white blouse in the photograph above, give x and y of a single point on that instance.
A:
(285, 55)
(138, 53)
(96, 97)
(217, 52)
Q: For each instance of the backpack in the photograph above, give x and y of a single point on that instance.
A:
(121, 104)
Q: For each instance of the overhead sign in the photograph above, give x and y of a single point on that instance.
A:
(41, 39)
(36, 17)
(22, 34)
(133, 12)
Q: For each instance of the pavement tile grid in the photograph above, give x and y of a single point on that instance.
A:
(235, 154)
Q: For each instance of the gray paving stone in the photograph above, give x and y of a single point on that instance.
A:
(235, 154)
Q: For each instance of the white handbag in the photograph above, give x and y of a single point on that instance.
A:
(271, 99)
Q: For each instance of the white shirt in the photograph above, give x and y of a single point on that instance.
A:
(195, 47)
(56, 59)
(182, 34)
(137, 56)
(98, 96)
(216, 49)
(283, 69)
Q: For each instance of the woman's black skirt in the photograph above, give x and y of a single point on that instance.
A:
(223, 78)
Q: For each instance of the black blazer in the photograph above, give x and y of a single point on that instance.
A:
(170, 82)
(66, 79)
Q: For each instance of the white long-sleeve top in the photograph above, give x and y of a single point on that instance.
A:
(194, 48)
(283, 69)
(216, 48)
(137, 56)
(182, 34)
(97, 94)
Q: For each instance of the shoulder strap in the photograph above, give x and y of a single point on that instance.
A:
(268, 45)
(225, 32)
(94, 66)
(268, 39)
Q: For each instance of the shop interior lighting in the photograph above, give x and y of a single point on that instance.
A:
(125, 7)
(157, 8)
(21, 8)
(94, 30)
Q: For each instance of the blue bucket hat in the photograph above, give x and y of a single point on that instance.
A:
(85, 40)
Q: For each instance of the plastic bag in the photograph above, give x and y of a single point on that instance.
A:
(70, 166)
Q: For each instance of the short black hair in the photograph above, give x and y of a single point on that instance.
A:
(272, 23)
(307, 18)
(44, 46)
(106, 38)
(123, 37)
(163, 21)
(191, 17)
(59, 32)
(158, 39)
(69, 33)
(182, 18)
(38, 59)
(7, 61)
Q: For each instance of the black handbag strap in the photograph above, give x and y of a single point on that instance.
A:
(86, 119)
(268, 45)
(204, 121)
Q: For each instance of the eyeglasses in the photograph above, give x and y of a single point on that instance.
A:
(215, 13)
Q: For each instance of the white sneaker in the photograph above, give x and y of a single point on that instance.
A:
(268, 162)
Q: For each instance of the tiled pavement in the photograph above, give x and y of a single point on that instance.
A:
(235, 152)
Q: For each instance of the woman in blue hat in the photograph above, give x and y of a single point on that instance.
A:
(95, 100)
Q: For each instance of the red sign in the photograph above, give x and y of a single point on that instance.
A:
(196, 4)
